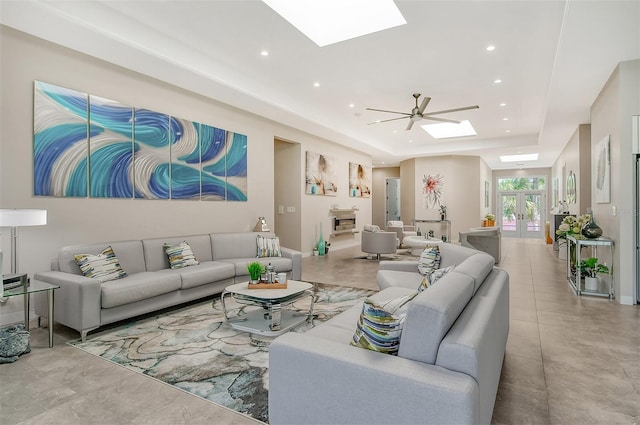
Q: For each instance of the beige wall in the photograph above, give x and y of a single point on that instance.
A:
(575, 157)
(379, 198)
(70, 221)
(288, 193)
(611, 115)
(408, 190)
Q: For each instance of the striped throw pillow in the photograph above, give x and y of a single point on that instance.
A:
(380, 325)
(432, 277)
(104, 266)
(429, 259)
(268, 247)
(180, 255)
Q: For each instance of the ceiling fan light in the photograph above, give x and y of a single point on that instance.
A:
(448, 130)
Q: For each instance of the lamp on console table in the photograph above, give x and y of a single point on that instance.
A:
(261, 225)
(15, 218)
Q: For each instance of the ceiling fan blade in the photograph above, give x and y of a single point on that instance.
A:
(392, 119)
(446, 111)
(410, 124)
(423, 105)
(427, 117)
(382, 110)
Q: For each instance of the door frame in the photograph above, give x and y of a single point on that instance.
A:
(521, 229)
(386, 199)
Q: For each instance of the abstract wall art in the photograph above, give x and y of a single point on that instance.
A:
(432, 190)
(603, 171)
(86, 145)
(320, 175)
(359, 180)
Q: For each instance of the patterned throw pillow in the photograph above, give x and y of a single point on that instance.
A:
(380, 325)
(180, 255)
(104, 266)
(432, 277)
(429, 259)
(268, 247)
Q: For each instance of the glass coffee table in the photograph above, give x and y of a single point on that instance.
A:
(273, 318)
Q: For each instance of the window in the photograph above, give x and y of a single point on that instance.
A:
(522, 183)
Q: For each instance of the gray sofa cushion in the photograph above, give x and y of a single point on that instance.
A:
(395, 278)
(129, 253)
(477, 267)
(204, 273)
(139, 286)
(235, 245)
(156, 257)
(431, 314)
(453, 254)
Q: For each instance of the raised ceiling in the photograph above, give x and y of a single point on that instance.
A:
(553, 58)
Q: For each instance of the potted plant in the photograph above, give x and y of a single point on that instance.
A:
(255, 269)
(489, 220)
(589, 268)
(443, 212)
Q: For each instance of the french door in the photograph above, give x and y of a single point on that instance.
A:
(521, 214)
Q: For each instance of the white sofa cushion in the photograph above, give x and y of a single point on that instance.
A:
(129, 253)
(155, 256)
(139, 286)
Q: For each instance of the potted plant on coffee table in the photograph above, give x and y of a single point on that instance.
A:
(255, 269)
(590, 268)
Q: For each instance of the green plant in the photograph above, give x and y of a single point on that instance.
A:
(572, 226)
(489, 217)
(443, 209)
(255, 269)
(590, 267)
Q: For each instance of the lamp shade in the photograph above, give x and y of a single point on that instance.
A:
(22, 217)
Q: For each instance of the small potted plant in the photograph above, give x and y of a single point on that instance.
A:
(589, 268)
(489, 220)
(443, 212)
(255, 269)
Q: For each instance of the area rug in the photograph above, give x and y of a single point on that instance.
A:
(196, 350)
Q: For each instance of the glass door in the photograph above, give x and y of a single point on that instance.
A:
(521, 214)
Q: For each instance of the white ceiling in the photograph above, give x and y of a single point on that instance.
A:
(553, 57)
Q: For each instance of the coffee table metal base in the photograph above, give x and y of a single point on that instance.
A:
(258, 322)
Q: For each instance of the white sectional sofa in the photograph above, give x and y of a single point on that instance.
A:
(447, 369)
(85, 304)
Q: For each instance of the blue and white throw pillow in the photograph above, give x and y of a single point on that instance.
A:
(432, 277)
(104, 266)
(380, 325)
(429, 259)
(180, 255)
(269, 247)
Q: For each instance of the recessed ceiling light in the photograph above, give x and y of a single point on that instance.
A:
(410, 141)
(491, 48)
(497, 81)
(351, 105)
(447, 130)
(518, 158)
(316, 84)
(328, 22)
(507, 131)
(395, 131)
(503, 104)
(264, 53)
(505, 119)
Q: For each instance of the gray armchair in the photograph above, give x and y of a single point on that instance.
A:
(485, 239)
(378, 242)
(401, 230)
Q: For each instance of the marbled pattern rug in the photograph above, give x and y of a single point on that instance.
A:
(194, 348)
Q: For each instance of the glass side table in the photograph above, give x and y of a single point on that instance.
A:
(26, 291)
(605, 289)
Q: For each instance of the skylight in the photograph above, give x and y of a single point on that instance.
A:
(447, 130)
(519, 158)
(330, 21)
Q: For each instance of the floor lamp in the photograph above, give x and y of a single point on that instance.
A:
(15, 218)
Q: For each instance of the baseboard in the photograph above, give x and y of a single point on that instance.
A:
(16, 317)
(626, 300)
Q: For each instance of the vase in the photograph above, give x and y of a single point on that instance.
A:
(321, 244)
(590, 283)
(591, 230)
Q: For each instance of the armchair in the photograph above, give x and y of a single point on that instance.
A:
(401, 230)
(378, 242)
(485, 239)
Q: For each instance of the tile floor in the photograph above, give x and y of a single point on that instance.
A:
(569, 360)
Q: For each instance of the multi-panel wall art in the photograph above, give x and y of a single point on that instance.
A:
(86, 145)
(359, 180)
(320, 175)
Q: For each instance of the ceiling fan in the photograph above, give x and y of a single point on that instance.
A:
(418, 114)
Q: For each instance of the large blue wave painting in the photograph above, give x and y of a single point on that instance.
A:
(90, 146)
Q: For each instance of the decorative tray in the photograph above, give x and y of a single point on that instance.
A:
(266, 285)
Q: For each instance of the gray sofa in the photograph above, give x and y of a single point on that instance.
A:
(85, 304)
(448, 366)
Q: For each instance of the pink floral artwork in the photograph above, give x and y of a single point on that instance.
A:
(432, 190)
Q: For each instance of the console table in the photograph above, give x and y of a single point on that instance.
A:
(447, 223)
(575, 280)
